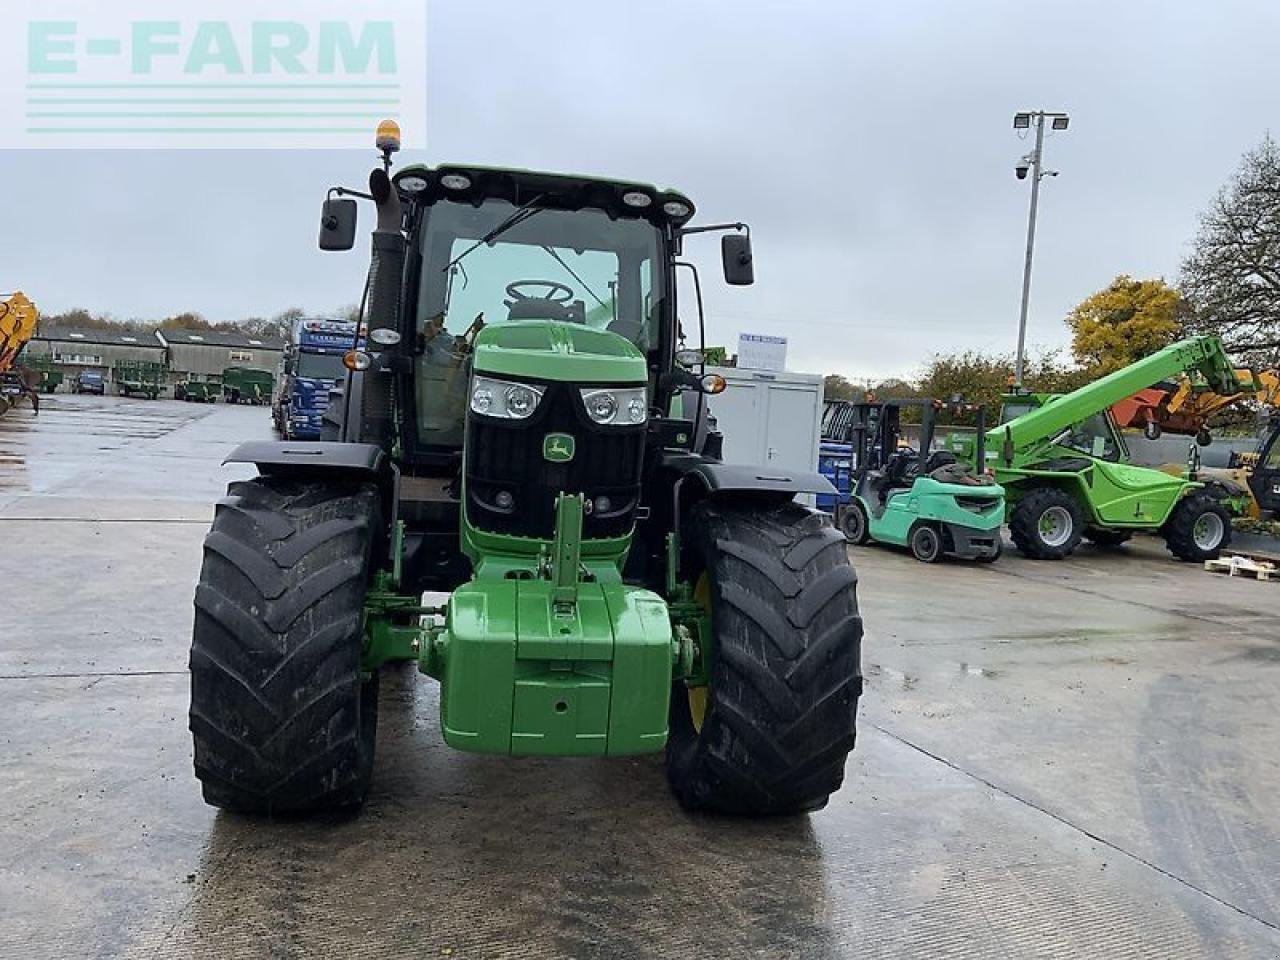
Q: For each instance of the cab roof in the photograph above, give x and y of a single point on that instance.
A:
(562, 191)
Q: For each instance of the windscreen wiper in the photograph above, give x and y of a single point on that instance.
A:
(520, 215)
(573, 273)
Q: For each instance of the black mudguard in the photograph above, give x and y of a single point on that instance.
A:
(720, 477)
(310, 457)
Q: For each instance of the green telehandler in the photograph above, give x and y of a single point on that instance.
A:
(1066, 473)
(524, 429)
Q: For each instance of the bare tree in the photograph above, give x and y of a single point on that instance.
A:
(1232, 277)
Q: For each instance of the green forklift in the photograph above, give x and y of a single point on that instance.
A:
(924, 499)
(614, 587)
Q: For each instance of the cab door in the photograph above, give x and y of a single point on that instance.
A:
(1265, 481)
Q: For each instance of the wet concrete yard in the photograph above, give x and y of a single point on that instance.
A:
(1075, 759)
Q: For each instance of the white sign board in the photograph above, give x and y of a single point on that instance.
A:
(759, 351)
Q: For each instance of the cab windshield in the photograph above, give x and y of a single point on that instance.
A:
(573, 266)
(320, 366)
(1096, 438)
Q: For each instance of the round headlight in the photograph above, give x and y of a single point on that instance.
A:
(602, 407)
(520, 401)
(412, 184)
(481, 399)
(455, 181)
(635, 409)
(634, 198)
(384, 336)
(674, 208)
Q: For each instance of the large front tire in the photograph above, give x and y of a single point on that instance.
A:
(1197, 529)
(770, 732)
(1047, 524)
(282, 720)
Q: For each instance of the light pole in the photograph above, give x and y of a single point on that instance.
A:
(1031, 163)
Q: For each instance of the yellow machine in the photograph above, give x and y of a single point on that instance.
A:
(18, 317)
(1187, 410)
(1198, 404)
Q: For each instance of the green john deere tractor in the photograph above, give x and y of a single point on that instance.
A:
(527, 432)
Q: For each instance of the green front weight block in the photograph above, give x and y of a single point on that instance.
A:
(520, 675)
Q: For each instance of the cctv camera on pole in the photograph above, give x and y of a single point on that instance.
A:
(1030, 164)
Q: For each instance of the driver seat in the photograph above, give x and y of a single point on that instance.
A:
(894, 476)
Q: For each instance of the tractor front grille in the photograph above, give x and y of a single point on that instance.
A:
(506, 456)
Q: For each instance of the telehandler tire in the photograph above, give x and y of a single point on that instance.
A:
(770, 732)
(1197, 529)
(1046, 524)
(282, 720)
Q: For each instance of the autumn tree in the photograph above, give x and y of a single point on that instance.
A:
(1128, 320)
(1232, 276)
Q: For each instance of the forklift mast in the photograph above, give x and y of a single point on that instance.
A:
(873, 428)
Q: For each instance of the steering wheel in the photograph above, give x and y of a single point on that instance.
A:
(551, 286)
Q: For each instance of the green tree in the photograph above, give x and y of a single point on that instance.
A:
(836, 387)
(1232, 277)
(978, 377)
(1128, 320)
(895, 389)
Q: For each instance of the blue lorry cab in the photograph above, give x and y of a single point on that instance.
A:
(311, 365)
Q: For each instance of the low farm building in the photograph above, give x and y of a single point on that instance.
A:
(189, 354)
(204, 354)
(73, 349)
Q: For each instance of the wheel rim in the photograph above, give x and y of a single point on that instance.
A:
(1055, 526)
(1207, 532)
(853, 523)
(927, 542)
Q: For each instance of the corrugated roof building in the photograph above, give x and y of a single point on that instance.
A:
(204, 354)
(189, 354)
(74, 349)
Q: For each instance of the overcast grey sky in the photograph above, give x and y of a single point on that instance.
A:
(868, 144)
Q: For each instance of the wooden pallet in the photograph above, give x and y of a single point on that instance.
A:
(1240, 565)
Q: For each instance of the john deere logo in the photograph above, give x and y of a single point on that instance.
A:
(557, 447)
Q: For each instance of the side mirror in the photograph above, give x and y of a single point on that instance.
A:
(735, 251)
(338, 224)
